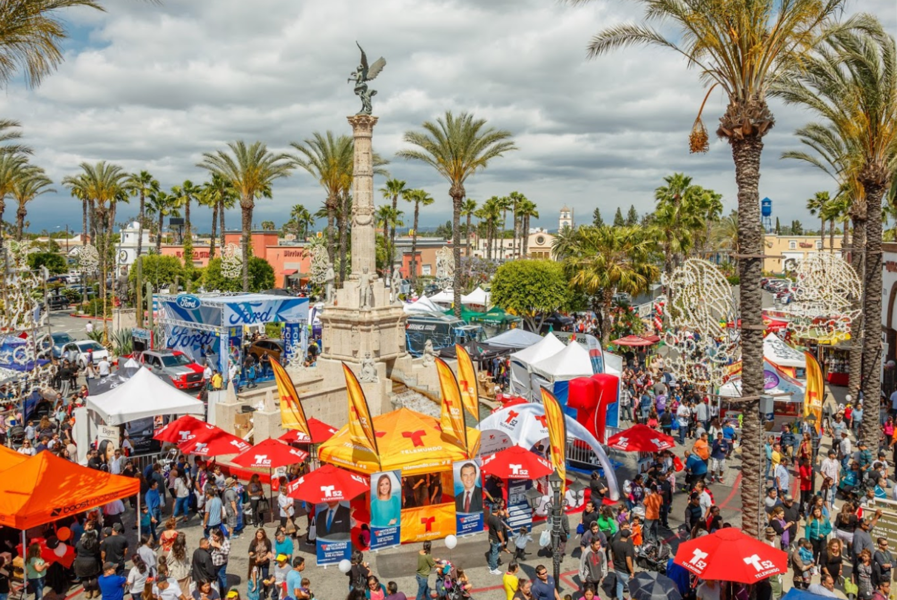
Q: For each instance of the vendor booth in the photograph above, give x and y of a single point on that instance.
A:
(478, 297)
(514, 339)
(784, 356)
(786, 392)
(212, 325)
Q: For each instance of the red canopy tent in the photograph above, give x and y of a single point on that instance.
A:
(181, 430)
(730, 555)
(320, 432)
(641, 438)
(517, 462)
(212, 441)
(632, 341)
(270, 454)
(328, 484)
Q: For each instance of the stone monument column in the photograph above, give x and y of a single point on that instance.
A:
(364, 240)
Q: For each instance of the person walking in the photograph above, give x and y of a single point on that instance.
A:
(178, 563)
(202, 565)
(87, 565)
(35, 570)
(496, 539)
(425, 565)
(623, 554)
(653, 503)
(256, 494)
(153, 501)
(214, 511)
(544, 587)
(593, 564)
(220, 548)
(229, 500)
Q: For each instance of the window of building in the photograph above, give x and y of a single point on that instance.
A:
(792, 245)
(819, 245)
(425, 269)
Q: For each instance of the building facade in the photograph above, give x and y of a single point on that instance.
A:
(783, 251)
(566, 219)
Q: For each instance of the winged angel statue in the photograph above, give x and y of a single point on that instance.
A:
(362, 75)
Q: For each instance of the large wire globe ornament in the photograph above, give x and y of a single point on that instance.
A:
(825, 293)
(700, 318)
(87, 259)
(232, 262)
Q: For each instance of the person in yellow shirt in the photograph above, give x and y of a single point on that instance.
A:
(776, 456)
(217, 381)
(510, 580)
(702, 447)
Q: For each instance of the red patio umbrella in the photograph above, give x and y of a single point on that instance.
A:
(517, 462)
(641, 438)
(213, 441)
(270, 454)
(181, 430)
(320, 432)
(632, 340)
(730, 555)
(328, 484)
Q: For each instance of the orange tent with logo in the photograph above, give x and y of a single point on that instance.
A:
(44, 488)
(10, 458)
(411, 442)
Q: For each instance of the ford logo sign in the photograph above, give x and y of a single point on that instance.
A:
(186, 301)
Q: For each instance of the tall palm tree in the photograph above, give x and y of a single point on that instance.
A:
(605, 260)
(724, 235)
(30, 183)
(389, 219)
(505, 203)
(184, 195)
(140, 184)
(468, 209)
(219, 195)
(816, 205)
(741, 47)
(418, 198)
(457, 147)
(677, 216)
(527, 210)
(11, 165)
(161, 204)
(516, 199)
(250, 170)
(851, 83)
(393, 189)
(489, 214)
(303, 220)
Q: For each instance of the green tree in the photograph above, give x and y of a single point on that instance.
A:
(468, 209)
(457, 147)
(527, 210)
(531, 289)
(141, 184)
(797, 228)
(597, 221)
(268, 226)
(302, 219)
(389, 219)
(11, 167)
(29, 183)
(418, 198)
(817, 205)
(778, 227)
(251, 171)
(161, 204)
(261, 276)
(632, 216)
(393, 189)
(219, 195)
(742, 47)
(619, 221)
(159, 270)
(54, 262)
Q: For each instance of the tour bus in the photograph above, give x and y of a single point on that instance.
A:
(442, 330)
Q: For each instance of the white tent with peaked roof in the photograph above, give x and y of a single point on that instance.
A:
(521, 382)
(143, 395)
(571, 362)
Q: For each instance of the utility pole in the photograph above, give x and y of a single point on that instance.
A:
(138, 300)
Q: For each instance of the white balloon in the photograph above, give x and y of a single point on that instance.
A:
(60, 550)
(848, 397)
(450, 541)
(345, 566)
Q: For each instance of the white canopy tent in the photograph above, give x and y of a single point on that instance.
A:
(423, 306)
(521, 382)
(779, 353)
(446, 296)
(571, 362)
(515, 338)
(143, 395)
(478, 297)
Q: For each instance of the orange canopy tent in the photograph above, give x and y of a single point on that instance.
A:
(411, 442)
(44, 488)
(10, 458)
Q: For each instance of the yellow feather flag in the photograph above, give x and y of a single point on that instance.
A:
(557, 435)
(467, 381)
(361, 425)
(452, 421)
(291, 413)
(815, 394)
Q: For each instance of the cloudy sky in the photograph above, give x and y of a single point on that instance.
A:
(153, 87)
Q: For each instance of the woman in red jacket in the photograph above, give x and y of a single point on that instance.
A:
(806, 485)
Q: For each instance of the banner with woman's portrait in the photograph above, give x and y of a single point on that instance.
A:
(386, 509)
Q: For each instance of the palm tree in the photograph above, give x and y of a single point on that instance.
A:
(457, 147)
(419, 198)
(30, 183)
(489, 215)
(250, 170)
(527, 209)
(505, 204)
(602, 261)
(816, 205)
(393, 189)
(468, 209)
(303, 219)
(218, 194)
(851, 83)
(389, 219)
(11, 165)
(742, 49)
(140, 184)
(724, 235)
(161, 205)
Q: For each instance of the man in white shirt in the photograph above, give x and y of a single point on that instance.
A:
(207, 375)
(846, 449)
(783, 477)
(115, 462)
(89, 327)
(682, 415)
(831, 467)
(104, 367)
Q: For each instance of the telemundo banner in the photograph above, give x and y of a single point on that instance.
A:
(468, 490)
(333, 527)
(386, 509)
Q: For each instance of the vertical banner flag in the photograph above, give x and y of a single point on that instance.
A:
(452, 421)
(557, 435)
(291, 413)
(361, 425)
(386, 509)
(467, 381)
(333, 526)
(292, 341)
(815, 394)
(468, 496)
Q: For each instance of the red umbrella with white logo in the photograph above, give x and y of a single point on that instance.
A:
(730, 555)
(270, 454)
(516, 463)
(213, 441)
(641, 438)
(328, 484)
(320, 433)
(181, 430)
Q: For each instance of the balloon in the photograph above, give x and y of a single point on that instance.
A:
(60, 550)
(63, 533)
(848, 397)
(451, 541)
(345, 566)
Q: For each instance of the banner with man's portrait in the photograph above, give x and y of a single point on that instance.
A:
(386, 509)
(468, 496)
(333, 528)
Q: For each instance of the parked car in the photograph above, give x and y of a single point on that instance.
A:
(177, 366)
(81, 350)
(60, 339)
(57, 302)
(273, 348)
(57, 279)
